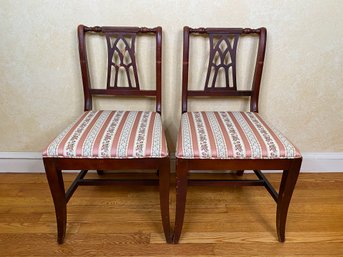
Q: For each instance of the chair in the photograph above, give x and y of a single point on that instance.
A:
(112, 140)
(224, 140)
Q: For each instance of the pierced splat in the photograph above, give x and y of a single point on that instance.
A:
(121, 58)
(222, 58)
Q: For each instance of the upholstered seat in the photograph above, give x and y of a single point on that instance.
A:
(111, 134)
(231, 135)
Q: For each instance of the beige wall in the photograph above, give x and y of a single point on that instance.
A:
(40, 85)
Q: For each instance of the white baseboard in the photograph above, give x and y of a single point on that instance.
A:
(21, 162)
(31, 162)
(322, 162)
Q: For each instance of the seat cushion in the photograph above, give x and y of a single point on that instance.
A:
(111, 134)
(231, 135)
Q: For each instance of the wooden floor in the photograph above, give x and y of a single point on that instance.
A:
(112, 221)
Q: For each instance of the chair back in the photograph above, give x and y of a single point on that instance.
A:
(223, 45)
(121, 60)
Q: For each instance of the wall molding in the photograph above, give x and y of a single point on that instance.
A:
(31, 162)
(21, 162)
(322, 162)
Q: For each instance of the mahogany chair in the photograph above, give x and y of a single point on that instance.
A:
(225, 140)
(112, 140)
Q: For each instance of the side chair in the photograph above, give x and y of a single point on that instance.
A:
(226, 140)
(117, 139)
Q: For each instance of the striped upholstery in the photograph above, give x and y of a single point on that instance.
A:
(231, 135)
(111, 134)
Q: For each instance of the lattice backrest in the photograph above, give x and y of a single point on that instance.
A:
(121, 55)
(223, 44)
(121, 58)
(223, 48)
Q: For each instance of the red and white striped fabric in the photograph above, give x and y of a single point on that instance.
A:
(231, 135)
(111, 134)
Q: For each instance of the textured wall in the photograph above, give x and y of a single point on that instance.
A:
(40, 84)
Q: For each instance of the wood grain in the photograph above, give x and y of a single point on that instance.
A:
(125, 221)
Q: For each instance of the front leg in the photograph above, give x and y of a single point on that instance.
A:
(164, 186)
(288, 181)
(181, 195)
(57, 190)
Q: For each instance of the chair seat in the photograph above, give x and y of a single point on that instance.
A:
(111, 134)
(231, 135)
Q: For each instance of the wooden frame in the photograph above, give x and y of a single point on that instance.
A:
(290, 167)
(54, 166)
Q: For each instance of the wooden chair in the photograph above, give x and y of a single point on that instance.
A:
(230, 140)
(112, 140)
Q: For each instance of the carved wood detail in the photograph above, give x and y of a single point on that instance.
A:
(223, 49)
(121, 55)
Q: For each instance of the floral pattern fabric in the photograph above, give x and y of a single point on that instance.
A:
(111, 134)
(231, 135)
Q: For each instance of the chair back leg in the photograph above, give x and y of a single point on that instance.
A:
(240, 172)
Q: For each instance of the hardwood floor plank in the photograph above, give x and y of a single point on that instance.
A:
(29, 228)
(256, 237)
(95, 245)
(19, 218)
(279, 249)
(120, 227)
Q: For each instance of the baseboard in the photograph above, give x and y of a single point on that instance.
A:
(21, 162)
(322, 162)
(31, 162)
